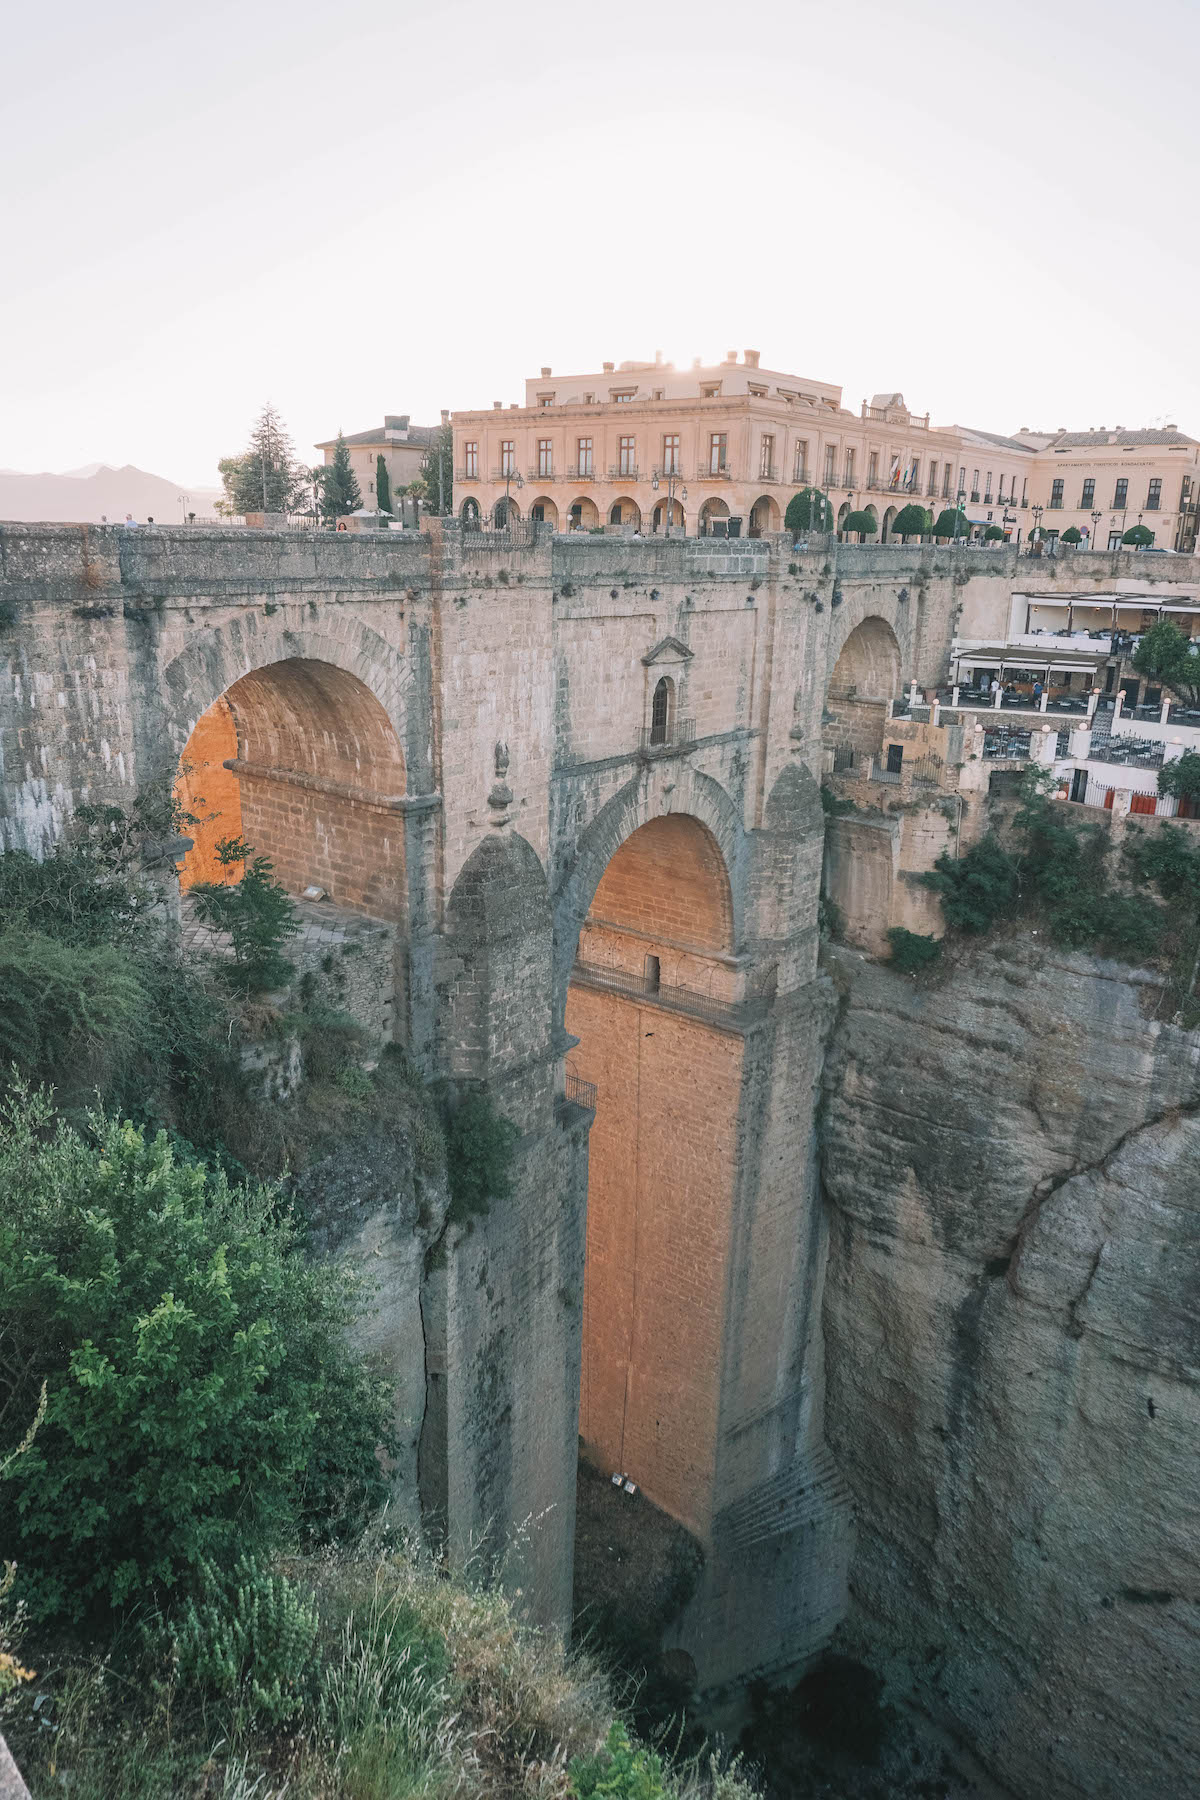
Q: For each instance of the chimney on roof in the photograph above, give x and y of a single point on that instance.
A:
(396, 421)
(1118, 428)
(731, 356)
(497, 405)
(657, 358)
(1170, 428)
(545, 374)
(696, 363)
(445, 415)
(751, 358)
(608, 367)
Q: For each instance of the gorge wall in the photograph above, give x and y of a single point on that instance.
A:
(1012, 1322)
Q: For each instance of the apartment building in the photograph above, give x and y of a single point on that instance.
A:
(719, 450)
(1103, 482)
(401, 444)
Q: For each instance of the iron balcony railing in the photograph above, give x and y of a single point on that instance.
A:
(540, 475)
(843, 757)
(671, 471)
(769, 473)
(879, 772)
(619, 472)
(677, 999)
(802, 477)
(505, 474)
(466, 474)
(682, 736)
(1005, 745)
(927, 771)
(580, 472)
(1133, 753)
(715, 472)
(579, 1092)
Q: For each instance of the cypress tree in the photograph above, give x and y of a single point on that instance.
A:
(339, 491)
(383, 485)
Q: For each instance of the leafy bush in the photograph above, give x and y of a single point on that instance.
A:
(258, 914)
(1072, 535)
(951, 524)
(911, 521)
(864, 523)
(249, 1637)
(1140, 536)
(621, 1770)
(479, 1153)
(977, 890)
(1166, 654)
(70, 1011)
(809, 510)
(201, 1397)
(911, 951)
(995, 535)
(1181, 776)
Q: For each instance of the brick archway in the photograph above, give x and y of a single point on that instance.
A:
(659, 795)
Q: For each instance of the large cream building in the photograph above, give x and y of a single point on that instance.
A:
(1104, 482)
(401, 444)
(721, 449)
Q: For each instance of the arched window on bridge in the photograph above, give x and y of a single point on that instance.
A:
(660, 711)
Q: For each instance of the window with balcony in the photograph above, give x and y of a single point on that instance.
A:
(545, 399)
(471, 461)
(800, 461)
(627, 455)
(583, 456)
(508, 457)
(873, 469)
(962, 482)
(830, 465)
(1154, 496)
(987, 489)
(914, 476)
(710, 390)
(946, 482)
(1088, 495)
(545, 457)
(1121, 492)
(974, 484)
(717, 445)
(1056, 493)
(766, 457)
(624, 395)
(933, 475)
(1000, 490)
(850, 460)
(670, 460)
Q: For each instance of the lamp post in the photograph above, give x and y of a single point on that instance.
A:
(672, 476)
(960, 501)
(1008, 519)
(1037, 512)
(1096, 517)
(510, 475)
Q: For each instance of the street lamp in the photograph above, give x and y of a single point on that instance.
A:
(510, 475)
(672, 476)
(1096, 517)
(960, 501)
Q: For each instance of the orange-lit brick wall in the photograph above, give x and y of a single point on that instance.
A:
(319, 762)
(669, 879)
(205, 787)
(661, 1168)
(660, 1197)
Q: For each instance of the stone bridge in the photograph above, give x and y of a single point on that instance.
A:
(578, 779)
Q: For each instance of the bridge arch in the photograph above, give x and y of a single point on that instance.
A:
(867, 665)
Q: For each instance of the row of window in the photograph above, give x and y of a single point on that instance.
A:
(1087, 498)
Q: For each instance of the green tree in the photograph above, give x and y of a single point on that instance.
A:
(258, 914)
(1139, 536)
(266, 476)
(1181, 776)
(911, 521)
(202, 1400)
(339, 491)
(1165, 654)
(1072, 535)
(995, 535)
(951, 524)
(436, 473)
(383, 485)
(864, 523)
(809, 510)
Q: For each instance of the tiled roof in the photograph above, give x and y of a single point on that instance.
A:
(1081, 440)
(995, 437)
(421, 436)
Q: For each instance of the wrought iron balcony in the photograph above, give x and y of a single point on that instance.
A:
(577, 473)
(538, 476)
(710, 472)
(466, 474)
(628, 473)
(578, 1092)
(660, 474)
(506, 474)
(770, 473)
(680, 738)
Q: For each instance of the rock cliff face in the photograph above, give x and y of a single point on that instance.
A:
(1012, 1316)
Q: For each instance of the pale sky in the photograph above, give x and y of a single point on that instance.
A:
(355, 208)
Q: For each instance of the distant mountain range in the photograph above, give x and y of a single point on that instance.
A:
(98, 492)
